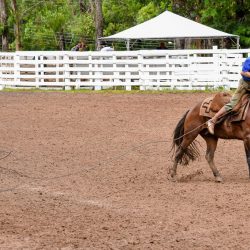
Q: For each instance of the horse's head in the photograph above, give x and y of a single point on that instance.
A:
(219, 100)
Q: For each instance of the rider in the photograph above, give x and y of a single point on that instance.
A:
(243, 87)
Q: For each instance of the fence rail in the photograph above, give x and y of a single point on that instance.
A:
(146, 69)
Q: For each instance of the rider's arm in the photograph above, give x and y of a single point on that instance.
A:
(246, 74)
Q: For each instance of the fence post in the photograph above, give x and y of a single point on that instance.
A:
(66, 59)
(37, 63)
(115, 79)
(127, 80)
(141, 72)
(216, 65)
(78, 73)
(16, 69)
(192, 70)
(1, 73)
(1, 80)
(98, 72)
(224, 72)
(41, 63)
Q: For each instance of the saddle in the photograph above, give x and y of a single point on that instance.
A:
(211, 105)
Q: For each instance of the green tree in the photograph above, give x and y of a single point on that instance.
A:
(4, 25)
(152, 9)
(119, 15)
(230, 16)
(59, 24)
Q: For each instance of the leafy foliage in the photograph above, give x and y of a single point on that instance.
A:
(44, 23)
(230, 16)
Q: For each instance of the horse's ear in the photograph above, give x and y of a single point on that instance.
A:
(226, 97)
(226, 94)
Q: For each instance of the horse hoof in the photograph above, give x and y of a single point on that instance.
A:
(218, 179)
(173, 178)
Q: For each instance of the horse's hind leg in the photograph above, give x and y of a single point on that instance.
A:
(173, 170)
(187, 140)
(211, 147)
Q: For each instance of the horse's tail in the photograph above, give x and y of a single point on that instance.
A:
(185, 155)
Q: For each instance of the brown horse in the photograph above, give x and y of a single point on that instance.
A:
(192, 124)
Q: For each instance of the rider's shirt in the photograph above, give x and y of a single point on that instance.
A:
(246, 68)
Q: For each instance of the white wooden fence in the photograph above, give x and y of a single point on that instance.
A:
(148, 69)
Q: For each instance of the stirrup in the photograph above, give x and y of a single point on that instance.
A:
(210, 126)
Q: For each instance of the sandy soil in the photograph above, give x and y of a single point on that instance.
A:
(89, 171)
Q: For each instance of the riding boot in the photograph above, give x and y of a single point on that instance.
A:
(211, 123)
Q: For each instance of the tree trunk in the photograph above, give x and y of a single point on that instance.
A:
(3, 20)
(179, 43)
(198, 41)
(81, 6)
(98, 22)
(62, 43)
(92, 7)
(188, 43)
(17, 25)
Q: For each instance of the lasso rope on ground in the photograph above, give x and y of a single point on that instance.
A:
(98, 164)
(78, 172)
(8, 153)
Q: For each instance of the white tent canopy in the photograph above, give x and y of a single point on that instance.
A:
(169, 26)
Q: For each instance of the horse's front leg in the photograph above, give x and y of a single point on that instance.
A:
(247, 150)
(211, 147)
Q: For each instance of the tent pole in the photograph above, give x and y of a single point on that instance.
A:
(128, 44)
(238, 42)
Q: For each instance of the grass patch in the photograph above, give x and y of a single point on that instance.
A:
(117, 91)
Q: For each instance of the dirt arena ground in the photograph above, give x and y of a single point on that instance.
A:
(89, 171)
